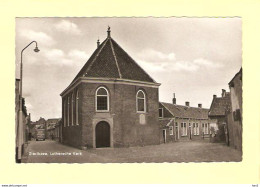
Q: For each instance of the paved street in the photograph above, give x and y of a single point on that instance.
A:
(50, 152)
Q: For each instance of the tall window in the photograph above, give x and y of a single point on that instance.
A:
(140, 101)
(183, 129)
(77, 108)
(68, 113)
(205, 128)
(171, 130)
(196, 128)
(64, 113)
(176, 131)
(160, 112)
(72, 105)
(102, 99)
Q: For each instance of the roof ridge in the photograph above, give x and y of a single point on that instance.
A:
(168, 109)
(91, 63)
(113, 51)
(185, 106)
(133, 60)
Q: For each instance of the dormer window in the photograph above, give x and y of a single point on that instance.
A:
(102, 100)
(141, 102)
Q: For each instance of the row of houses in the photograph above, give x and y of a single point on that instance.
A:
(225, 114)
(113, 102)
(22, 121)
(51, 128)
(222, 122)
(183, 122)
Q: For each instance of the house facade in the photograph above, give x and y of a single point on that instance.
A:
(112, 102)
(218, 111)
(21, 132)
(50, 127)
(182, 122)
(235, 117)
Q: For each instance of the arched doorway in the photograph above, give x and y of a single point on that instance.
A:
(102, 134)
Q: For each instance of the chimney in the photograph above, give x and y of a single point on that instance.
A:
(187, 103)
(108, 32)
(214, 96)
(223, 93)
(98, 43)
(174, 99)
(200, 105)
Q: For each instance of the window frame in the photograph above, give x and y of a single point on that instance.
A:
(184, 129)
(96, 96)
(162, 113)
(77, 107)
(140, 98)
(68, 112)
(64, 113)
(72, 105)
(171, 130)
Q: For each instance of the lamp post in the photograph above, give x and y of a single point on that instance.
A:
(20, 124)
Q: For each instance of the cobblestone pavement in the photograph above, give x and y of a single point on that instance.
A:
(190, 151)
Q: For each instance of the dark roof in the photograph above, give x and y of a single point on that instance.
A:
(109, 60)
(220, 105)
(181, 111)
(237, 74)
(53, 120)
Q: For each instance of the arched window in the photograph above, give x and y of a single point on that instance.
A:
(64, 113)
(102, 99)
(72, 105)
(140, 101)
(77, 108)
(68, 113)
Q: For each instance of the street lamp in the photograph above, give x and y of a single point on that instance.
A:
(20, 124)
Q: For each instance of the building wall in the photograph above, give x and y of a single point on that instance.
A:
(217, 128)
(122, 117)
(166, 134)
(190, 129)
(71, 134)
(235, 125)
(177, 135)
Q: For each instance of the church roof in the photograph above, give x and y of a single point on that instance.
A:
(181, 111)
(109, 60)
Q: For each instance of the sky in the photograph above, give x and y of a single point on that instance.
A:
(194, 58)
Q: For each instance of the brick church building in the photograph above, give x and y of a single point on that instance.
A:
(112, 102)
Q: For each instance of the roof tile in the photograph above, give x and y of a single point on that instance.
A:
(109, 60)
(220, 105)
(181, 111)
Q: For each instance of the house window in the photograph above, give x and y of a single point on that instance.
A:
(64, 113)
(72, 105)
(171, 130)
(196, 128)
(77, 108)
(140, 101)
(68, 113)
(177, 135)
(183, 129)
(102, 100)
(206, 128)
(160, 112)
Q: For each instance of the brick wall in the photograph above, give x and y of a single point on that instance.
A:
(234, 124)
(122, 116)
